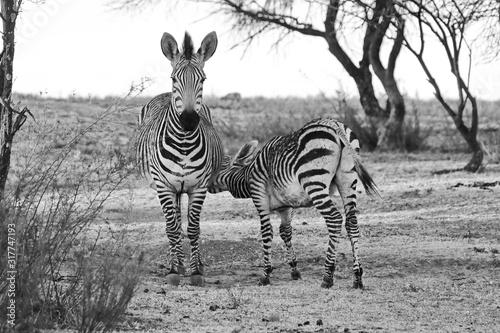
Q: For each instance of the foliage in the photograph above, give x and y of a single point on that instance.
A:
(55, 195)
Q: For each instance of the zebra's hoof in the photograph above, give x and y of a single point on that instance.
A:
(197, 280)
(173, 279)
(327, 283)
(296, 274)
(264, 281)
(357, 284)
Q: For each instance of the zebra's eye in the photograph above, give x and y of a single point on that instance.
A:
(174, 80)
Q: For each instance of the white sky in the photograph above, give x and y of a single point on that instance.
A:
(82, 47)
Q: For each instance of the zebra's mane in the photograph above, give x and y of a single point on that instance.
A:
(187, 46)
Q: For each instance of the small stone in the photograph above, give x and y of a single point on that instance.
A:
(307, 323)
(213, 307)
(146, 290)
(274, 317)
(319, 322)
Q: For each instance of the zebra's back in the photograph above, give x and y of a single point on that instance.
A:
(311, 154)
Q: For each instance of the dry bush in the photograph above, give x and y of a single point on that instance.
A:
(109, 276)
(414, 136)
(55, 195)
(365, 130)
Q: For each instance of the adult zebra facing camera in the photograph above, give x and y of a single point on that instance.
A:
(178, 147)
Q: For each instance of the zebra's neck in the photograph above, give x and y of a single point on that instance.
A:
(174, 124)
(238, 184)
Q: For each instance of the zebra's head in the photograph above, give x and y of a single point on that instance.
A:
(230, 177)
(188, 75)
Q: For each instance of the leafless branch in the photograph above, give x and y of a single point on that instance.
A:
(264, 15)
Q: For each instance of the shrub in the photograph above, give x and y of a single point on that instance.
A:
(54, 197)
(414, 138)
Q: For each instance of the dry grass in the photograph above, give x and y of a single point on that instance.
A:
(430, 250)
(430, 245)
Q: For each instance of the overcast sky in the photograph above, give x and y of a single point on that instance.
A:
(82, 47)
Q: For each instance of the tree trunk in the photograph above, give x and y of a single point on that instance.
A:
(367, 98)
(390, 134)
(7, 128)
(361, 75)
(470, 136)
(389, 122)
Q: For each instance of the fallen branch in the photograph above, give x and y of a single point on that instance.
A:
(479, 184)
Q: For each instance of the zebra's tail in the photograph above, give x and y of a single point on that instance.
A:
(366, 179)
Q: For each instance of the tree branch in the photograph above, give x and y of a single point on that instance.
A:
(263, 15)
(333, 43)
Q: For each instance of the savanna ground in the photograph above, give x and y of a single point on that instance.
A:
(430, 244)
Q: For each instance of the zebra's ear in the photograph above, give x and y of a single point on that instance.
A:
(246, 153)
(169, 46)
(208, 46)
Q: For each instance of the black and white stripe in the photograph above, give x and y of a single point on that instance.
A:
(179, 148)
(298, 170)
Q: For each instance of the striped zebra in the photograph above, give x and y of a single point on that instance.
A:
(298, 170)
(178, 147)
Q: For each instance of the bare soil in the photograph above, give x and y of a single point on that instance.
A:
(430, 250)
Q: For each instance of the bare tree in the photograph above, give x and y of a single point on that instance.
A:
(256, 17)
(11, 119)
(253, 18)
(449, 22)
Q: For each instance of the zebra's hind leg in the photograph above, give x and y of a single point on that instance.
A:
(169, 201)
(346, 183)
(286, 236)
(323, 202)
(266, 231)
(196, 199)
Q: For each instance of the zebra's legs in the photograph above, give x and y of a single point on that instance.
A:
(323, 202)
(266, 231)
(286, 235)
(346, 184)
(169, 202)
(196, 199)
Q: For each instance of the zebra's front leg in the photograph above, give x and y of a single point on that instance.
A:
(286, 235)
(169, 202)
(196, 199)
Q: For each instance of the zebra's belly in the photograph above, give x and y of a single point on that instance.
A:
(291, 195)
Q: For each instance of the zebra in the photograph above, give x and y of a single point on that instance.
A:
(178, 147)
(298, 170)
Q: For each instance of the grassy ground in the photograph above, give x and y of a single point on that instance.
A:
(430, 245)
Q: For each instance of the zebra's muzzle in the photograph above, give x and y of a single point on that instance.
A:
(189, 120)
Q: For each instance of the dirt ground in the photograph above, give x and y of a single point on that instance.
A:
(430, 251)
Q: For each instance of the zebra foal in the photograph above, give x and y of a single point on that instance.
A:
(179, 148)
(298, 170)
